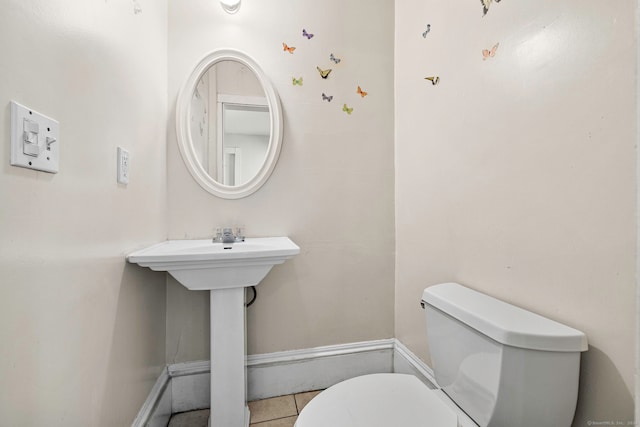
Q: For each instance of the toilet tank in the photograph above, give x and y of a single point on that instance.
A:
(504, 366)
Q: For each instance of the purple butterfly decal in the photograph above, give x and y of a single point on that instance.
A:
(305, 34)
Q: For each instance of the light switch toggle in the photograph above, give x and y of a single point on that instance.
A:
(49, 140)
(30, 138)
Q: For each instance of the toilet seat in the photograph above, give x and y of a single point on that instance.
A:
(377, 400)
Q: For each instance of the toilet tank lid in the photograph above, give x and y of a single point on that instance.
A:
(503, 322)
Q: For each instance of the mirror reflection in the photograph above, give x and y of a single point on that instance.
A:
(230, 123)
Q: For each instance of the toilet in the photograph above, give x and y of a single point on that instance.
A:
(495, 364)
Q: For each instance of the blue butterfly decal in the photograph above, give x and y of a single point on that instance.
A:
(305, 34)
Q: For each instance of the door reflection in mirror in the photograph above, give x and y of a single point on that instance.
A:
(244, 139)
(230, 123)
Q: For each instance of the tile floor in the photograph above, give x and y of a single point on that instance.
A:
(274, 412)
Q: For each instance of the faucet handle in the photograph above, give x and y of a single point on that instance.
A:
(218, 236)
(240, 234)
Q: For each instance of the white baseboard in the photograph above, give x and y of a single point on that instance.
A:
(190, 386)
(186, 386)
(405, 362)
(156, 410)
(288, 372)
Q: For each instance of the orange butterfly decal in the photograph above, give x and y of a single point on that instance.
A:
(288, 49)
(486, 53)
(361, 92)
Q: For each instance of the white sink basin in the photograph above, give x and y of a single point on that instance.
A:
(204, 265)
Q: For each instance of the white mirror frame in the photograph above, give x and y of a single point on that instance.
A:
(183, 130)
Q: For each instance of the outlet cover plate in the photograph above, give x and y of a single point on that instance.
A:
(123, 166)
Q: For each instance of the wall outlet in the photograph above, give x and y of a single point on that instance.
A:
(123, 166)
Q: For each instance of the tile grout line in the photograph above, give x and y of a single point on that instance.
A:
(274, 419)
(295, 401)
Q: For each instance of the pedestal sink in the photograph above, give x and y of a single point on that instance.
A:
(224, 270)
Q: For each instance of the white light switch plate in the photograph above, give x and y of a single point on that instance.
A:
(34, 139)
(123, 166)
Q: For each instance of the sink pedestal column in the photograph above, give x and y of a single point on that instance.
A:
(228, 372)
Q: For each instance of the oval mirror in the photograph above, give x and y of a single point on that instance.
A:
(229, 124)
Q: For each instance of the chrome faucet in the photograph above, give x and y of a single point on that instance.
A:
(225, 235)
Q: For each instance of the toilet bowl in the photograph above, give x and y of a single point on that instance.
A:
(496, 364)
(378, 400)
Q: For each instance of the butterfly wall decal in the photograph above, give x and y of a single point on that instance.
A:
(307, 35)
(296, 82)
(424, 35)
(327, 98)
(486, 4)
(347, 109)
(361, 92)
(286, 48)
(434, 80)
(490, 53)
(324, 73)
(334, 59)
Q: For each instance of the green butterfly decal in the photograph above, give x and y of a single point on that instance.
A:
(296, 81)
(347, 109)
